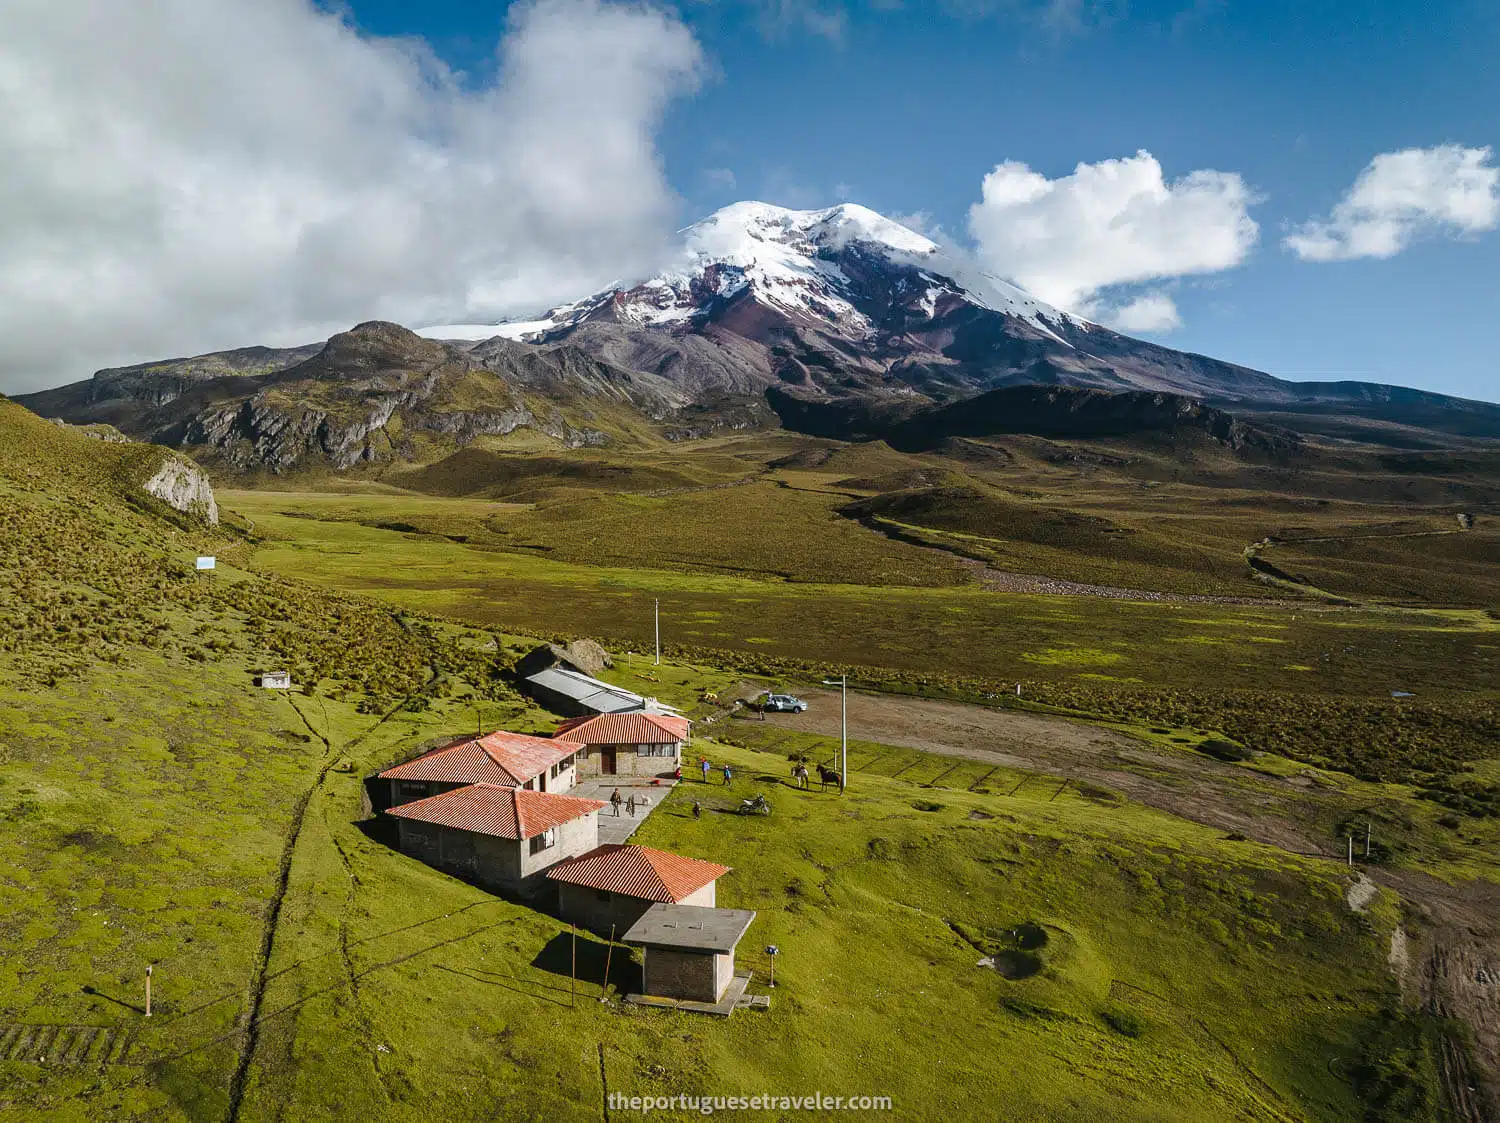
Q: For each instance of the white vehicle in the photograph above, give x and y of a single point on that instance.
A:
(784, 704)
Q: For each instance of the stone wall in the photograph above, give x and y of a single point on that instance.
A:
(669, 973)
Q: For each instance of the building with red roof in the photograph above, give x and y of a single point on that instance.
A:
(614, 885)
(499, 837)
(633, 744)
(508, 760)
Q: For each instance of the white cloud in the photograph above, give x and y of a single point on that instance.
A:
(1402, 196)
(1151, 311)
(180, 175)
(722, 179)
(828, 20)
(1118, 222)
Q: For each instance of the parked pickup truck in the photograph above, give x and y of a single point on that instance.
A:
(784, 704)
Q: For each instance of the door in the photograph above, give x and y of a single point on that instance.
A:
(607, 760)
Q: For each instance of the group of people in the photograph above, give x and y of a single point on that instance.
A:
(615, 800)
(707, 766)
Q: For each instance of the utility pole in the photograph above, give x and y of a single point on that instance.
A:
(148, 990)
(843, 684)
(1351, 851)
(609, 954)
(573, 971)
(1368, 828)
(658, 632)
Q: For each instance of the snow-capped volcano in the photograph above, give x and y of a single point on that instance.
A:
(846, 304)
(791, 261)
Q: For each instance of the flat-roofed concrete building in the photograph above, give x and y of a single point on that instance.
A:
(612, 887)
(502, 838)
(687, 952)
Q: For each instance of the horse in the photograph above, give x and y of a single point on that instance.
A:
(828, 776)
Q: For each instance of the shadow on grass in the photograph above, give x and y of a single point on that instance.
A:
(556, 958)
(557, 996)
(343, 985)
(94, 992)
(380, 829)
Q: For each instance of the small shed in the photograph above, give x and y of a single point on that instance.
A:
(687, 952)
(611, 888)
(274, 680)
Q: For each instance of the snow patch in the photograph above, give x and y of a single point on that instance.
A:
(782, 256)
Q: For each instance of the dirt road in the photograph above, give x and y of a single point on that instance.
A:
(1183, 783)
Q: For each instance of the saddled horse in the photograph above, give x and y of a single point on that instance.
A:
(828, 776)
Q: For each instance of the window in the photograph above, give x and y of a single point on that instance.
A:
(544, 841)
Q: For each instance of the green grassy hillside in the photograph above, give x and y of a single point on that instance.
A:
(158, 808)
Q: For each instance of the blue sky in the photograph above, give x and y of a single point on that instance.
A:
(1308, 187)
(906, 108)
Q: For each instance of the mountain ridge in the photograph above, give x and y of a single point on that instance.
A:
(767, 315)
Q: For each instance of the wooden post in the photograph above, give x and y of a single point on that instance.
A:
(1368, 828)
(573, 974)
(1351, 851)
(148, 990)
(609, 955)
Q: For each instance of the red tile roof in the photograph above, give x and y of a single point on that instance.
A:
(504, 812)
(507, 759)
(638, 871)
(625, 729)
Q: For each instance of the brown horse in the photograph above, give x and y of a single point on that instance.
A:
(829, 776)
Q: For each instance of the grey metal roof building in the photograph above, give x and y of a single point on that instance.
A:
(575, 694)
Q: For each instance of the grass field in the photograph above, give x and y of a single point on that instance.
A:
(393, 991)
(157, 808)
(953, 629)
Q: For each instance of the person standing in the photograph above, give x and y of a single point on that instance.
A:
(615, 802)
(728, 776)
(697, 810)
(630, 805)
(704, 764)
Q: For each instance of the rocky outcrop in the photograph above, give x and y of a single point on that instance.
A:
(182, 485)
(100, 432)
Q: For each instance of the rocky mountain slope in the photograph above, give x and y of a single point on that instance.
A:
(844, 302)
(838, 322)
(378, 393)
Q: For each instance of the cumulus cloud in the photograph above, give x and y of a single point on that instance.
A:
(1151, 311)
(1074, 240)
(1402, 196)
(182, 175)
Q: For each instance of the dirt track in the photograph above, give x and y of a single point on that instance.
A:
(1183, 783)
(1455, 951)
